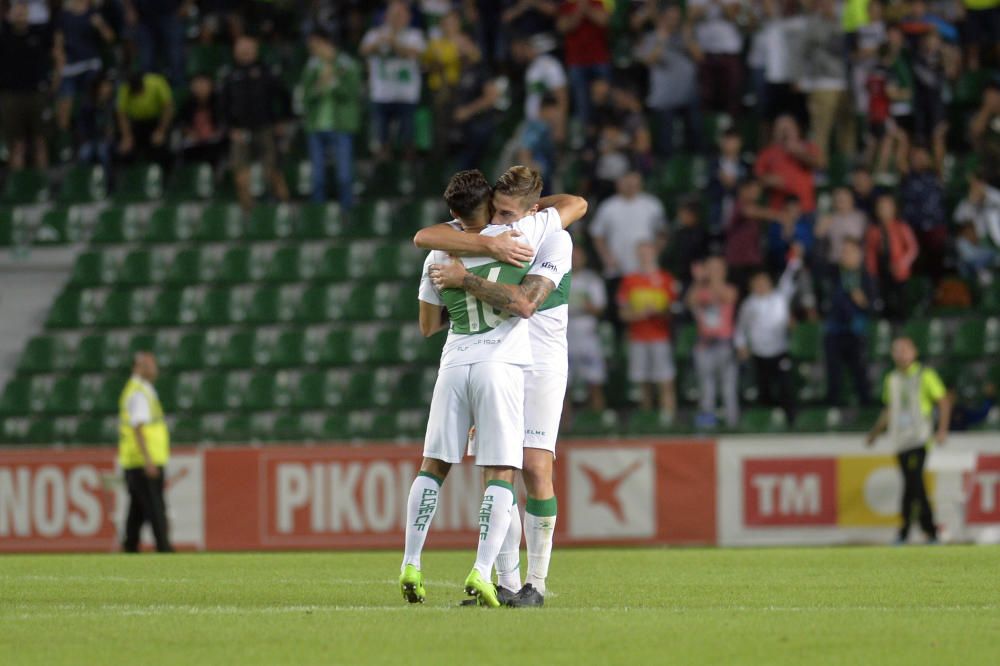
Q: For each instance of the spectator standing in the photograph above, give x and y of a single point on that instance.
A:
(845, 222)
(96, 123)
(446, 57)
(743, 252)
(933, 66)
(981, 209)
(778, 46)
(393, 51)
(792, 230)
(890, 251)
(824, 77)
(474, 115)
(725, 173)
(786, 166)
(622, 222)
(981, 32)
(644, 300)
(544, 75)
(689, 243)
(984, 130)
(537, 141)
(143, 453)
(203, 137)
(145, 108)
(158, 27)
(671, 54)
(712, 302)
(977, 259)
(865, 192)
(254, 102)
(850, 294)
(721, 43)
(584, 26)
(762, 335)
(587, 302)
(331, 86)
(80, 31)
(911, 394)
(529, 17)
(921, 195)
(25, 87)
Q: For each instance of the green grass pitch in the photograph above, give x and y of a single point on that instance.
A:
(916, 605)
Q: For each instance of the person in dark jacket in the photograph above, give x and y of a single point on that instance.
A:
(851, 297)
(254, 102)
(24, 88)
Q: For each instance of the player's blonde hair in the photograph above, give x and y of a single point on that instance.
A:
(522, 183)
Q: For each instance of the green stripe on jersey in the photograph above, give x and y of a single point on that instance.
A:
(559, 295)
(470, 316)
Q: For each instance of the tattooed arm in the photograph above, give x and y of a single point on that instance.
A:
(521, 300)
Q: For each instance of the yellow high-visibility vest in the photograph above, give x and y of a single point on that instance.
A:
(155, 432)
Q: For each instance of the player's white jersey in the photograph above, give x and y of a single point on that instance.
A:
(547, 328)
(501, 337)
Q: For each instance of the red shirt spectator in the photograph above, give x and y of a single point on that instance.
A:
(587, 43)
(786, 167)
(652, 293)
(902, 249)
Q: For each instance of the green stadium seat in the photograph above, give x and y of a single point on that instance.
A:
(806, 341)
(16, 397)
(185, 269)
(220, 222)
(136, 268)
(369, 219)
(254, 393)
(309, 391)
(285, 265)
(410, 424)
(65, 311)
(370, 424)
(228, 348)
(46, 353)
(383, 347)
(93, 268)
(763, 419)
(415, 348)
(879, 340)
(397, 301)
(590, 423)
(318, 221)
(186, 430)
(322, 303)
(279, 349)
(989, 298)
(171, 224)
(271, 222)
(288, 428)
(205, 307)
(84, 184)
(265, 306)
(234, 267)
(648, 422)
(54, 228)
(100, 393)
(206, 59)
(191, 182)
(168, 386)
(298, 174)
(41, 431)
(64, 396)
(330, 264)
(180, 351)
(90, 353)
(27, 186)
(325, 346)
(115, 310)
(816, 419)
(208, 391)
(140, 182)
(333, 427)
(153, 307)
(14, 430)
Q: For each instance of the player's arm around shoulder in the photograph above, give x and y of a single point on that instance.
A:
(503, 247)
(570, 207)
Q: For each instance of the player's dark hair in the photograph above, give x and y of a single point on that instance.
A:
(467, 193)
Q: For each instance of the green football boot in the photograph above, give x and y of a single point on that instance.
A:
(483, 590)
(411, 584)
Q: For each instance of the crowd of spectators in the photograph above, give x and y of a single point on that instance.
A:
(827, 131)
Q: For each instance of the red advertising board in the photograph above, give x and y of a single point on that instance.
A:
(621, 492)
(790, 491)
(984, 496)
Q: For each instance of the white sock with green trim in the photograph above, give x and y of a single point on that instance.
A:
(494, 519)
(421, 506)
(539, 526)
(509, 560)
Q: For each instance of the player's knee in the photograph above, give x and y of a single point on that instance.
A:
(537, 474)
(438, 468)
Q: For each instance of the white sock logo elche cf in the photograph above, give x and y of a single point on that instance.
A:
(494, 519)
(421, 505)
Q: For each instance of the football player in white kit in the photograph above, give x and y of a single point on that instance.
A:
(480, 381)
(542, 297)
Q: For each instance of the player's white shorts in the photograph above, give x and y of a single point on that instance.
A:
(544, 392)
(489, 395)
(651, 362)
(586, 360)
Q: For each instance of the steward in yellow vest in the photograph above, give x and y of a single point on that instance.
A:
(143, 453)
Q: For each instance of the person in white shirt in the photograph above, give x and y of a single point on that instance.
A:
(622, 222)
(393, 51)
(762, 335)
(544, 75)
(981, 208)
(587, 302)
(719, 38)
